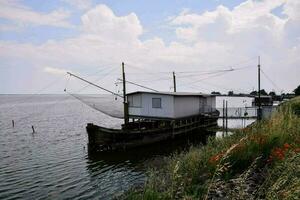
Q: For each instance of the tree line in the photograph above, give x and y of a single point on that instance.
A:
(296, 92)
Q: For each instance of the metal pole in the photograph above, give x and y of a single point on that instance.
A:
(126, 119)
(174, 81)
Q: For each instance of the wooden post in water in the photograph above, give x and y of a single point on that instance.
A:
(259, 100)
(174, 81)
(33, 131)
(223, 115)
(226, 116)
(13, 123)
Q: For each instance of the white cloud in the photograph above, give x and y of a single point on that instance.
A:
(219, 38)
(56, 71)
(80, 4)
(21, 15)
(101, 21)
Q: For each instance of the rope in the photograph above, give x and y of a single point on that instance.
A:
(272, 82)
(139, 85)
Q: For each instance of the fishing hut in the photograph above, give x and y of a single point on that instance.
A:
(157, 116)
(153, 116)
(169, 105)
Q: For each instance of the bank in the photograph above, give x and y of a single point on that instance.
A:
(260, 161)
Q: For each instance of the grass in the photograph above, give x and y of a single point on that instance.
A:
(192, 174)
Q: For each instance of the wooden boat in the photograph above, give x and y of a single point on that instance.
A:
(144, 132)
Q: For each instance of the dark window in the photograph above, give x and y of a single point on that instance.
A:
(156, 102)
(134, 101)
(130, 101)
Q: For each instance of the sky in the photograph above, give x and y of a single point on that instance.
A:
(211, 45)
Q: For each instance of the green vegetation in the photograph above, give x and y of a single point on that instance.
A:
(260, 161)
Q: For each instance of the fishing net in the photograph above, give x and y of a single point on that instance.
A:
(105, 103)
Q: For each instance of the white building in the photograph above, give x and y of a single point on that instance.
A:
(169, 105)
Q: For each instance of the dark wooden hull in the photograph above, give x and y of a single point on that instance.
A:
(101, 138)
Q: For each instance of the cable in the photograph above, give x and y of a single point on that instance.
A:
(221, 73)
(273, 83)
(96, 80)
(138, 85)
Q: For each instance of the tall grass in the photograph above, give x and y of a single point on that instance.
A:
(192, 174)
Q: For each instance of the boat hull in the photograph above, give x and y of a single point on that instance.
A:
(103, 139)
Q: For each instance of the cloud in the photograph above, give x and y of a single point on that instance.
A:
(216, 39)
(80, 4)
(21, 15)
(216, 25)
(56, 71)
(102, 22)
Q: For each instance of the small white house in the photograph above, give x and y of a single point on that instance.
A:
(170, 105)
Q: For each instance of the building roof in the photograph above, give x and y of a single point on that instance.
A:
(173, 93)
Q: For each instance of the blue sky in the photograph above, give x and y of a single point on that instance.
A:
(40, 40)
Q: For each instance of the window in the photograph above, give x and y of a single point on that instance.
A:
(156, 102)
(134, 101)
(130, 101)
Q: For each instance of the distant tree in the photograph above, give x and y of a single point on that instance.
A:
(272, 93)
(253, 93)
(297, 91)
(230, 93)
(216, 93)
(263, 92)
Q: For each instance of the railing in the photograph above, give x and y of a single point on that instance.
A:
(239, 112)
(233, 112)
(207, 109)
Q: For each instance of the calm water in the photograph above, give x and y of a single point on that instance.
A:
(54, 163)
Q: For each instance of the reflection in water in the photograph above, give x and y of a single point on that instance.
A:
(221, 134)
(237, 123)
(137, 161)
(139, 154)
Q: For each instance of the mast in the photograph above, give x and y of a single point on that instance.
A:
(174, 81)
(259, 99)
(125, 103)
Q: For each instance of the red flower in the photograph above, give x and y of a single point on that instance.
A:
(286, 146)
(215, 158)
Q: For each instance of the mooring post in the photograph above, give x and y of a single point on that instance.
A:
(174, 81)
(33, 131)
(226, 116)
(223, 115)
(259, 112)
(13, 123)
